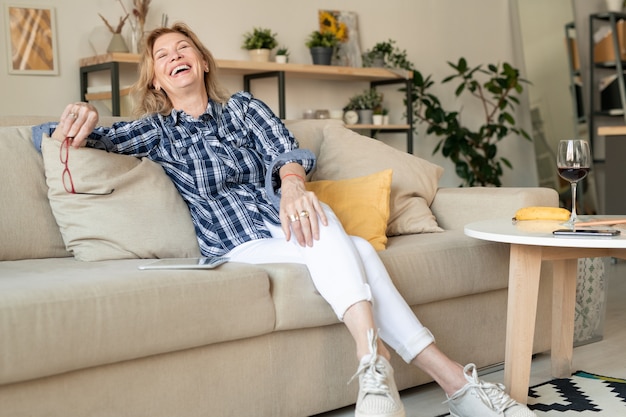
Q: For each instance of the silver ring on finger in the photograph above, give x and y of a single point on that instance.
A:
(294, 218)
(73, 115)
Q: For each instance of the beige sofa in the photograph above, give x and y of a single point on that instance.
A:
(102, 338)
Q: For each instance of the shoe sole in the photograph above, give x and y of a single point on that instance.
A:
(400, 413)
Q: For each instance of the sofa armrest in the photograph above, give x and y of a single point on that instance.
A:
(455, 207)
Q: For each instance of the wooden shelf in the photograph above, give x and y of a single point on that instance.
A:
(233, 67)
(106, 95)
(377, 127)
(121, 57)
(251, 70)
(320, 72)
(612, 130)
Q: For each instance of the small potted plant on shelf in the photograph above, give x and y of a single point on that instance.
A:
(377, 117)
(385, 116)
(282, 55)
(364, 104)
(386, 54)
(259, 43)
(322, 46)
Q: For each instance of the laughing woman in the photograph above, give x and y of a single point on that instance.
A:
(242, 176)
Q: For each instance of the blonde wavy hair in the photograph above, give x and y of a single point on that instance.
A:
(149, 100)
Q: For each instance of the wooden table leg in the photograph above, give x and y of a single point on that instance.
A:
(563, 311)
(524, 274)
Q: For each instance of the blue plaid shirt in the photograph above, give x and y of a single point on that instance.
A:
(224, 164)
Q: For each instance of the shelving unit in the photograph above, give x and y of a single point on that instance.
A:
(615, 172)
(606, 145)
(598, 116)
(250, 71)
(575, 76)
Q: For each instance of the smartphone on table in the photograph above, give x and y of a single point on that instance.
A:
(587, 232)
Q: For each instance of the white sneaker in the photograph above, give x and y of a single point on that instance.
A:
(378, 395)
(484, 399)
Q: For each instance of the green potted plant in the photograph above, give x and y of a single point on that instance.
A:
(473, 150)
(377, 117)
(282, 55)
(259, 42)
(386, 54)
(322, 46)
(364, 104)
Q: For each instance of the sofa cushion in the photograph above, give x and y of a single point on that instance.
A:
(346, 154)
(58, 315)
(297, 302)
(144, 217)
(27, 226)
(426, 268)
(361, 204)
(437, 266)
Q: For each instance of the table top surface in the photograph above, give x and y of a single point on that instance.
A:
(539, 233)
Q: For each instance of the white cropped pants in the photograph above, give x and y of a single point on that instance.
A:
(346, 270)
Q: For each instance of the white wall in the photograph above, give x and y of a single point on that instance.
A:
(432, 32)
(546, 59)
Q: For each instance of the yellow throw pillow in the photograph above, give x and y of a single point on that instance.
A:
(361, 204)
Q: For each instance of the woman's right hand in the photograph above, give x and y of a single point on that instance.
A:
(77, 121)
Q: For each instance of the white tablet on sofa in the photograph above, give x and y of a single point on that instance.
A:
(186, 263)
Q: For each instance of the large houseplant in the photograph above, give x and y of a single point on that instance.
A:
(473, 149)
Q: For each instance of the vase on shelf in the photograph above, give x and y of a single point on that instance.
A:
(615, 5)
(259, 55)
(365, 116)
(321, 55)
(117, 44)
(136, 39)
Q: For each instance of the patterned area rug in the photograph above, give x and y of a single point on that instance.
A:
(582, 395)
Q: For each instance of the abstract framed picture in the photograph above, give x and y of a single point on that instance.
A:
(31, 40)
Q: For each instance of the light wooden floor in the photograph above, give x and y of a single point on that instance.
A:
(606, 357)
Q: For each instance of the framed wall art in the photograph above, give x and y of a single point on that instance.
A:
(31, 40)
(344, 25)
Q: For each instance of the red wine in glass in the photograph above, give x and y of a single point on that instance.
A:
(573, 174)
(573, 161)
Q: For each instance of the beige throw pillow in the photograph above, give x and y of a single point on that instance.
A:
(346, 154)
(27, 226)
(145, 217)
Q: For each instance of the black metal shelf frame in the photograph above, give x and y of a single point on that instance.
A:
(280, 75)
(114, 69)
(617, 65)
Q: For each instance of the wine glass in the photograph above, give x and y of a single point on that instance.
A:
(573, 162)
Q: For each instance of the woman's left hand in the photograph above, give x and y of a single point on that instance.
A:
(300, 210)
